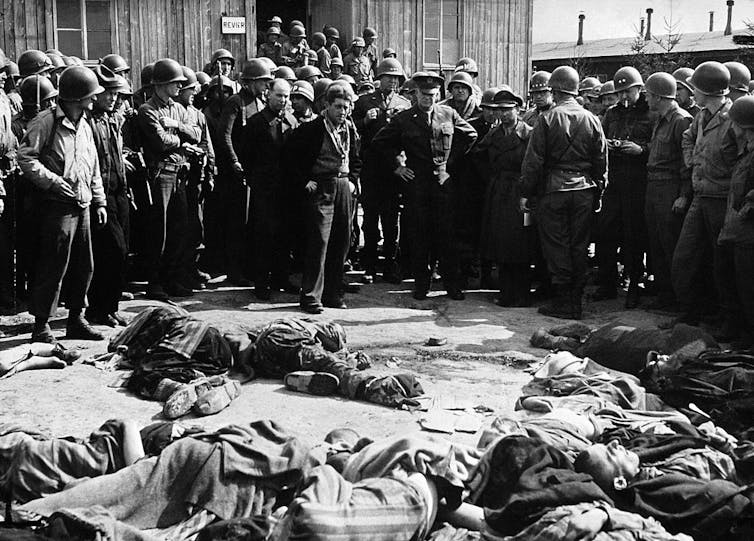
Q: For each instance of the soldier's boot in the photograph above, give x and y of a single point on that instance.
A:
(577, 302)
(544, 340)
(561, 306)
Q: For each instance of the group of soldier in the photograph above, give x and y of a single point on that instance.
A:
(199, 174)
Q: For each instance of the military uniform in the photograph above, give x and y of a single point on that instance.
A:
(531, 115)
(373, 54)
(323, 61)
(294, 55)
(274, 52)
(7, 166)
(358, 67)
(427, 140)
(380, 196)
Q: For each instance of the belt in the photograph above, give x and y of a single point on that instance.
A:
(170, 167)
(332, 178)
(571, 172)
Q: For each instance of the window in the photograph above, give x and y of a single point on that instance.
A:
(441, 32)
(83, 28)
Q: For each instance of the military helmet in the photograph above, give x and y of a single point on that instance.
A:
(298, 31)
(269, 63)
(124, 86)
(461, 78)
(75, 61)
(223, 54)
(711, 78)
(304, 72)
(36, 89)
(390, 66)
(78, 83)
(53, 51)
(295, 22)
(488, 97)
(540, 81)
(284, 72)
(311, 56)
(275, 20)
(607, 88)
(369, 32)
(69, 61)
(751, 83)
(202, 78)
(682, 76)
(739, 76)
(57, 62)
(303, 88)
(626, 77)
(337, 61)
(273, 30)
(106, 78)
(389, 52)
(115, 62)
(256, 69)
(590, 85)
(358, 41)
(565, 79)
(220, 80)
(318, 39)
(661, 84)
(4, 60)
(345, 78)
(191, 79)
(366, 84)
(33, 62)
(742, 112)
(467, 65)
(332, 32)
(166, 71)
(13, 71)
(146, 75)
(320, 87)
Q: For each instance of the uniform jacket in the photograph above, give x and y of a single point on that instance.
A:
(738, 228)
(323, 61)
(273, 52)
(386, 110)
(237, 111)
(665, 157)
(567, 138)
(197, 118)
(531, 116)
(262, 152)
(633, 123)
(358, 67)
(303, 146)
(710, 149)
(106, 128)
(163, 144)
(469, 110)
(425, 146)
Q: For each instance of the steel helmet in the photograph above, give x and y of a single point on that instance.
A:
(345, 78)
(607, 89)
(626, 77)
(284, 72)
(78, 83)
(540, 82)
(311, 56)
(332, 32)
(711, 78)
(125, 86)
(337, 61)
(33, 62)
(320, 87)
(751, 83)
(468, 65)
(661, 84)
(358, 41)
(223, 54)
(275, 20)
(76, 61)
(682, 76)
(35, 89)
(202, 78)
(115, 62)
(295, 22)
(191, 79)
(106, 78)
(256, 69)
(389, 52)
(590, 86)
(57, 62)
(12, 68)
(369, 32)
(269, 63)
(565, 79)
(303, 88)
(273, 30)
(461, 78)
(54, 51)
(3, 60)
(298, 31)
(166, 71)
(146, 75)
(390, 66)
(345, 83)
(742, 112)
(488, 97)
(366, 84)
(739, 76)
(219, 80)
(318, 39)
(305, 72)
(69, 61)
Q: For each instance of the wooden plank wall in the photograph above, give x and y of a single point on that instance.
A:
(338, 13)
(24, 26)
(398, 24)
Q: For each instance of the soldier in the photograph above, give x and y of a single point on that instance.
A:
(389, 52)
(370, 49)
(57, 67)
(294, 50)
(684, 93)
(58, 156)
(109, 243)
(165, 128)
(608, 97)
(541, 96)
(262, 160)
(380, 196)
(302, 101)
(333, 35)
(310, 74)
(336, 68)
(277, 22)
(740, 77)
(621, 223)
(284, 72)
(223, 63)
(323, 56)
(233, 191)
(564, 169)
(34, 62)
(589, 92)
(117, 64)
(11, 86)
(428, 132)
(710, 150)
(200, 183)
(143, 94)
(356, 63)
(462, 98)
(325, 164)
(272, 48)
(8, 145)
(320, 93)
(469, 65)
(668, 182)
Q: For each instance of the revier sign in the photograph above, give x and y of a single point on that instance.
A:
(234, 25)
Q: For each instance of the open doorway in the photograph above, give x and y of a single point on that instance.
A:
(287, 10)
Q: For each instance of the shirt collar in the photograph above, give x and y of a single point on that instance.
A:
(333, 127)
(671, 110)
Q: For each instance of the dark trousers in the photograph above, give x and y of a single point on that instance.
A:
(195, 221)
(64, 251)
(381, 204)
(430, 217)
(663, 228)
(235, 207)
(621, 225)
(696, 243)
(168, 230)
(110, 248)
(564, 220)
(328, 214)
(271, 243)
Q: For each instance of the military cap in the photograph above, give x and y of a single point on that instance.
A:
(427, 79)
(506, 98)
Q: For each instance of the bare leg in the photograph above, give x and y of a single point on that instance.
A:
(133, 448)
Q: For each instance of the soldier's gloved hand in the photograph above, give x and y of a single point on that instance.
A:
(404, 173)
(311, 187)
(372, 114)
(101, 216)
(679, 205)
(630, 148)
(62, 189)
(168, 122)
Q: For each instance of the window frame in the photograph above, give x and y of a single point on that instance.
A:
(445, 65)
(84, 30)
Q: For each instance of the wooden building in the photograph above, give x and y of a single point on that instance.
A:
(496, 33)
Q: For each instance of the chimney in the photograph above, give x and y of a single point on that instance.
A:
(711, 21)
(728, 29)
(648, 35)
(641, 26)
(580, 41)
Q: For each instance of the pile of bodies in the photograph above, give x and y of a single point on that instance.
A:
(590, 453)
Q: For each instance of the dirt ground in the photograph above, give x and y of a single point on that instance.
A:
(382, 319)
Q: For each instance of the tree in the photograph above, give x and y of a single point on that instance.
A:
(658, 54)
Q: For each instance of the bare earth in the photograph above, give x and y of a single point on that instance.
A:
(383, 320)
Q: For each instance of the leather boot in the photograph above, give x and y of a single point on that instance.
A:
(561, 306)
